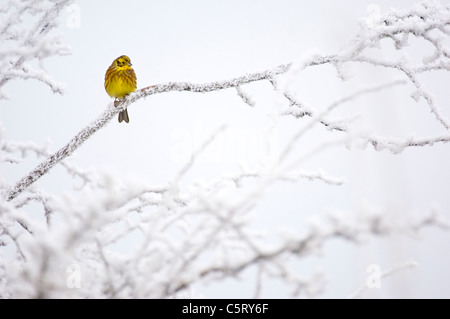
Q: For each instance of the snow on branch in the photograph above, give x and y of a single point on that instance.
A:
(418, 21)
(346, 226)
(22, 45)
(201, 240)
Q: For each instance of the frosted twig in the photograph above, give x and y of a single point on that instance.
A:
(345, 227)
(197, 153)
(27, 44)
(319, 175)
(245, 97)
(319, 118)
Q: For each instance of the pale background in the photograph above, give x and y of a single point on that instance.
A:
(201, 41)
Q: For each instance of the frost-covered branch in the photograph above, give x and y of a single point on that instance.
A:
(428, 21)
(350, 227)
(22, 46)
(196, 242)
(419, 21)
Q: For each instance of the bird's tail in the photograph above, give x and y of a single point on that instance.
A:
(123, 116)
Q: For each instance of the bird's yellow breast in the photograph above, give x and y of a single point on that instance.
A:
(120, 82)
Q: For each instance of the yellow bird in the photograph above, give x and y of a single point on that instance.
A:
(120, 80)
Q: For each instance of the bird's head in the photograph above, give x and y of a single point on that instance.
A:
(122, 61)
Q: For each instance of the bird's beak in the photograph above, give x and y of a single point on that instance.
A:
(130, 64)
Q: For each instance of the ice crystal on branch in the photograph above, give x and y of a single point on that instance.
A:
(25, 46)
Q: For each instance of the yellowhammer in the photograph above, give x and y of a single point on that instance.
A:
(120, 80)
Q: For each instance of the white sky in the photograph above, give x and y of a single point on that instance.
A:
(201, 41)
